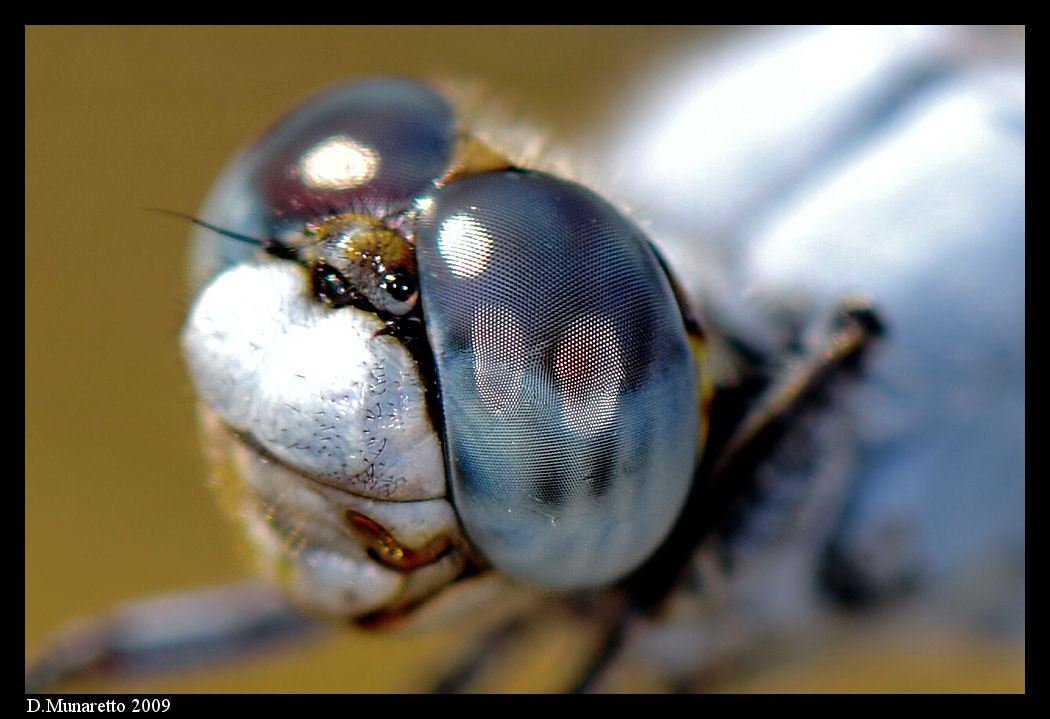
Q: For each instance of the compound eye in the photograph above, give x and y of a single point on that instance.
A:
(568, 386)
(369, 149)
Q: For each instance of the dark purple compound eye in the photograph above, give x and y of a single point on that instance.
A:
(370, 149)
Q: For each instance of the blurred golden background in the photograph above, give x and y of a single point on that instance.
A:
(121, 119)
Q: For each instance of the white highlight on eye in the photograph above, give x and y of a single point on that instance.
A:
(499, 357)
(338, 163)
(588, 370)
(464, 245)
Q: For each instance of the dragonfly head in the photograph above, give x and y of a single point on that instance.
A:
(547, 423)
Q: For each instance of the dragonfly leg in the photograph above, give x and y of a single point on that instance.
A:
(616, 630)
(851, 330)
(460, 677)
(157, 636)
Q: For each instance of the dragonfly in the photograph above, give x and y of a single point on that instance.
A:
(693, 280)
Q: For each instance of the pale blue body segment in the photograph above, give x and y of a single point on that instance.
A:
(800, 166)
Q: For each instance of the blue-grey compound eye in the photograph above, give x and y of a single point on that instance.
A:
(568, 386)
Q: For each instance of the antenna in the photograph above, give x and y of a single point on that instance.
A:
(264, 244)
